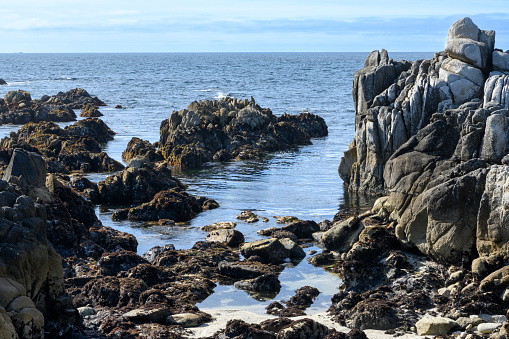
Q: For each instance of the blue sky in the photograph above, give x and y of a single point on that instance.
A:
(241, 26)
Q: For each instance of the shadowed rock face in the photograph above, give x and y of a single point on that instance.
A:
(31, 276)
(232, 129)
(435, 137)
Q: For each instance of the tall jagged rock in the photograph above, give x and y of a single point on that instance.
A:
(436, 140)
(395, 100)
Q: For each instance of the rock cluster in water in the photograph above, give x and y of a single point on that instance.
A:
(17, 107)
(73, 148)
(65, 274)
(228, 129)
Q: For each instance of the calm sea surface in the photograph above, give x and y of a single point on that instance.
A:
(302, 182)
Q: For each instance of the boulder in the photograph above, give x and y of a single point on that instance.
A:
(342, 235)
(92, 127)
(15, 97)
(273, 250)
(173, 204)
(266, 283)
(500, 61)
(486, 328)
(434, 326)
(136, 185)
(90, 111)
(188, 320)
(30, 166)
(302, 228)
(3, 82)
(468, 43)
(148, 315)
(218, 226)
(138, 147)
(465, 81)
(304, 328)
(231, 238)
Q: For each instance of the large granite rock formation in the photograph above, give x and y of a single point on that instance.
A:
(232, 129)
(435, 137)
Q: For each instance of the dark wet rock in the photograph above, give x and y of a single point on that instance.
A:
(138, 147)
(301, 229)
(297, 304)
(322, 259)
(246, 269)
(91, 127)
(137, 185)
(3, 82)
(248, 216)
(275, 325)
(115, 262)
(28, 167)
(267, 283)
(273, 250)
(232, 129)
(373, 260)
(304, 328)
(87, 189)
(152, 253)
(240, 329)
(231, 238)
(342, 235)
(90, 111)
(111, 292)
(174, 204)
(17, 107)
(75, 98)
(74, 148)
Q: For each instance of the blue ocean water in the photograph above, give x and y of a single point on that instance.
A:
(302, 182)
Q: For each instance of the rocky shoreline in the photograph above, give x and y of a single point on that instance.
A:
(429, 258)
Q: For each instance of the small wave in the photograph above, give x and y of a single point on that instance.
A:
(221, 95)
(63, 78)
(19, 83)
(206, 90)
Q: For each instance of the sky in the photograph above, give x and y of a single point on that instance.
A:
(98, 26)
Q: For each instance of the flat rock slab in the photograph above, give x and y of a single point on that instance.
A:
(187, 319)
(488, 327)
(434, 326)
(141, 315)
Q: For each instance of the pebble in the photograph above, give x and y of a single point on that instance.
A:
(86, 310)
(311, 252)
(487, 327)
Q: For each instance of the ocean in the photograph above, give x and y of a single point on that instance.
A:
(301, 182)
